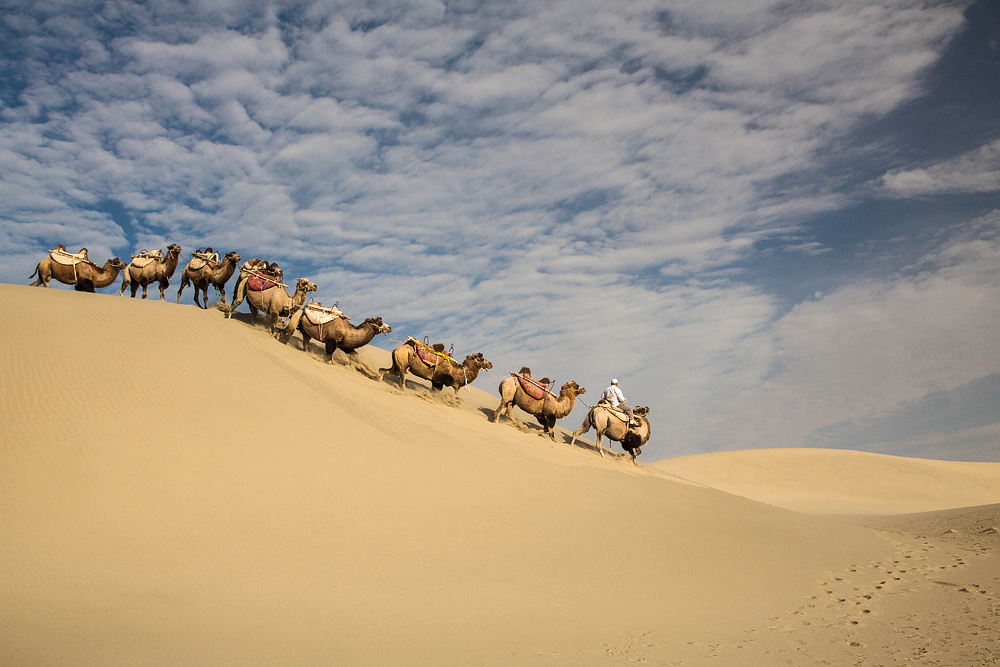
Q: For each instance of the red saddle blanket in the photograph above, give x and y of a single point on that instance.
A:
(432, 358)
(256, 284)
(532, 388)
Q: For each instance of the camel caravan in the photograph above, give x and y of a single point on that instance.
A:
(261, 284)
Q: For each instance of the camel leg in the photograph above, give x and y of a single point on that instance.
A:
(550, 428)
(331, 347)
(305, 339)
(163, 287)
(391, 371)
(584, 428)
(125, 283)
(184, 282)
(42, 280)
(496, 413)
(253, 314)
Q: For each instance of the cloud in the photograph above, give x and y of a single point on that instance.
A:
(565, 185)
(875, 348)
(975, 171)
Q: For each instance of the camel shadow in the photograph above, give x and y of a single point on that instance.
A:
(245, 318)
(520, 425)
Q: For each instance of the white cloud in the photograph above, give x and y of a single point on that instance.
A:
(548, 182)
(975, 171)
(869, 348)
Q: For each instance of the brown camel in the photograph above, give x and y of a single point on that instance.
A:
(445, 373)
(201, 273)
(76, 270)
(334, 331)
(546, 410)
(274, 300)
(142, 272)
(606, 423)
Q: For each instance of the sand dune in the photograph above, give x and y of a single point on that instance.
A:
(176, 488)
(836, 482)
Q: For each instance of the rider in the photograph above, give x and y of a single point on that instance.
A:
(614, 396)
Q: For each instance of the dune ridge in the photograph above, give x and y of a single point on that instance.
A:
(181, 489)
(827, 482)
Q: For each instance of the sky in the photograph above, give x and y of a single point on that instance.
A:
(777, 223)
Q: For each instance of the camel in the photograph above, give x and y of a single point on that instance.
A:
(273, 299)
(201, 273)
(447, 372)
(143, 271)
(76, 270)
(546, 410)
(333, 329)
(606, 423)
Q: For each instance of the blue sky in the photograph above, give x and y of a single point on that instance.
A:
(777, 223)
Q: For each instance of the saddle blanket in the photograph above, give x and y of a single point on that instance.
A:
(318, 315)
(256, 284)
(432, 358)
(68, 258)
(531, 387)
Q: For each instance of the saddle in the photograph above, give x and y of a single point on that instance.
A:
(61, 256)
(145, 258)
(431, 355)
(317, 315)
(532, 387)
(200, 258)
(617, 412)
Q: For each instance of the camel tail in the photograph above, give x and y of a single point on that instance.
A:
(35, 272)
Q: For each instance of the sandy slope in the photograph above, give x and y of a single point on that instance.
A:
(176, 488)
(836, 482)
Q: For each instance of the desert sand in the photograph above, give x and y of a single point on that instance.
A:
(181, 489)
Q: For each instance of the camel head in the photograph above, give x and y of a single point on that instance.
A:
(173, 249)
(377, 324)
(116, 263)
(571, 388)
(234, 257)
(305, 285)
(479, 360)
(641, 411)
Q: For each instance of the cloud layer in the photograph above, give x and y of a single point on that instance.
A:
(565, 185)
